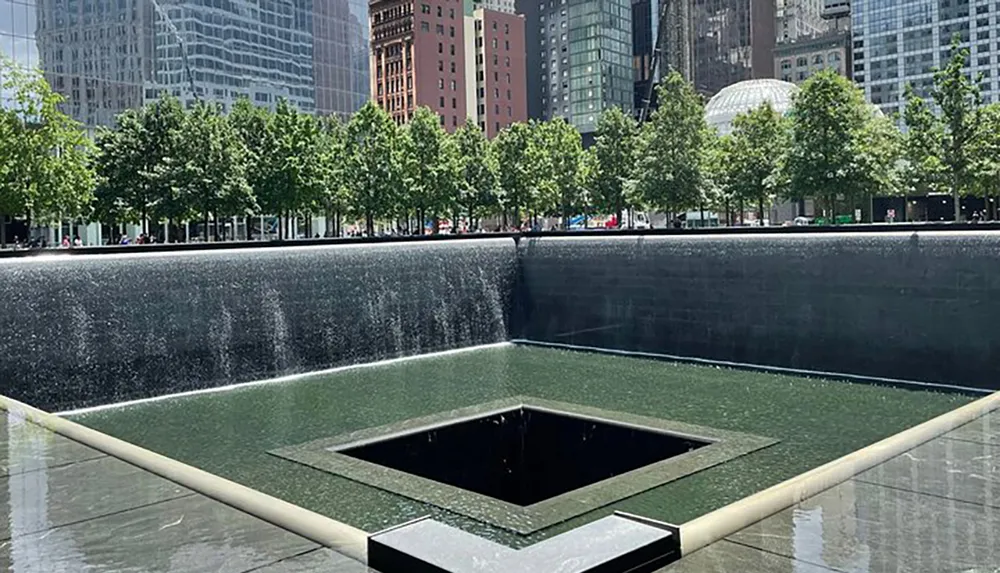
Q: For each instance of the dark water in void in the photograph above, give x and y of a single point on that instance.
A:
(94, 329)
(229, 433)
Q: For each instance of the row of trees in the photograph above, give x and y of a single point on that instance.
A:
(167, 163)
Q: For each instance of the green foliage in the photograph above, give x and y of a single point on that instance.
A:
(45, 157)
(923, 172)
(293, 167)
(479, 188)
(213, 171)
(959, 100)
(751, 160)
(826, 158)
(517, 151)
(560, 185)
(431, 167)
(374, 171)
(674, 149)
(616, 149)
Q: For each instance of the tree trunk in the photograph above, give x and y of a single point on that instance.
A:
(215, 228)
(742, 211)
(565, 214)
(957, 200)
(729, 215)
(760, 211)
(369, 223)
(619, 207)
(3, 231)
(205, 221)
(833, 208)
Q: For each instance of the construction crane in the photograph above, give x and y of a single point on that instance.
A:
(673, 35)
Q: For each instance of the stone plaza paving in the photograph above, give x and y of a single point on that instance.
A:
(65, 507)
(935, 508)
(72, 508)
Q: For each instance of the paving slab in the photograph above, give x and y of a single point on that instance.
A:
(191, 534)
(26, 447)
(728, 557)
(316, 561)
(953, 469)
(864, 527)
(985, 429)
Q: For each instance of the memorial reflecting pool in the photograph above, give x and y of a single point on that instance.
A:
(800, 423)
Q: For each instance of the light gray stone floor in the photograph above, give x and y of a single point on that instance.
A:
(65, 507)
(934, 509)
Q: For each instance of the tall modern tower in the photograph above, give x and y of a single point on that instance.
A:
(733, 41)
(579, 58)
(107, 56)
(902, 45)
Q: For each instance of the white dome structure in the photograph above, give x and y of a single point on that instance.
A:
(744, 96)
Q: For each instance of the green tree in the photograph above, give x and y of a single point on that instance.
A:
(754, 149)
(140, 163)
(293, 166)
(520, 168)
(879, 150)
(560, 186)
(214, 170)
(829, 115)
(673, 154)
(923, 171)
(374, 170)
(616, 148)
(987, 158)
(253, 126)
(479, 187)
(431, 167)
(336, 193)
(45, 156)
(959, 100)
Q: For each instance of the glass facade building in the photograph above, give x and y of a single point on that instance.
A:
(579, 58)
(900, 42)
(733, 41)
(109, 55)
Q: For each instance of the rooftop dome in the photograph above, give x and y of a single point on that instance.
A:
(744, 96)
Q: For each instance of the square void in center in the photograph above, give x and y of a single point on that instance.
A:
(523, 463)
(524, 455)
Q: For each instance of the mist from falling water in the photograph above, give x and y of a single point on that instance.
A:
(198, 319)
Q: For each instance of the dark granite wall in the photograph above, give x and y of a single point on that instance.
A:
(901, 305)
(81, 330)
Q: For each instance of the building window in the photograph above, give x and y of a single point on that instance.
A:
(451, 48)
(801, 61)
(454, 103)
(506, 28)
(509, 113)
(441, 102)
(498, 127)
(439, 29)
(506, 61)
(495, 59)
(454, 120)
(494, 42)
(441, 83)
(506, 45)
(496, 93)
(818, 59)
(453, 67)
(451, 13)
(453, 85)
(425, 8)
(494, 25)
(508, 78)
(440, 48)
(833, 57)
(496, 108)
(451, 31)
(508, 94)
(425, 27)
(439, 11)
(440, 65)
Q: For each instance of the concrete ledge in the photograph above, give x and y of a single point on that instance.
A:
(615, 544)
(727, 520)
(340, 537)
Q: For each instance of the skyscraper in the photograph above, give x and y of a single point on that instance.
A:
(900, 43)
(580, 58)
(733, 41)
(105, 56)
